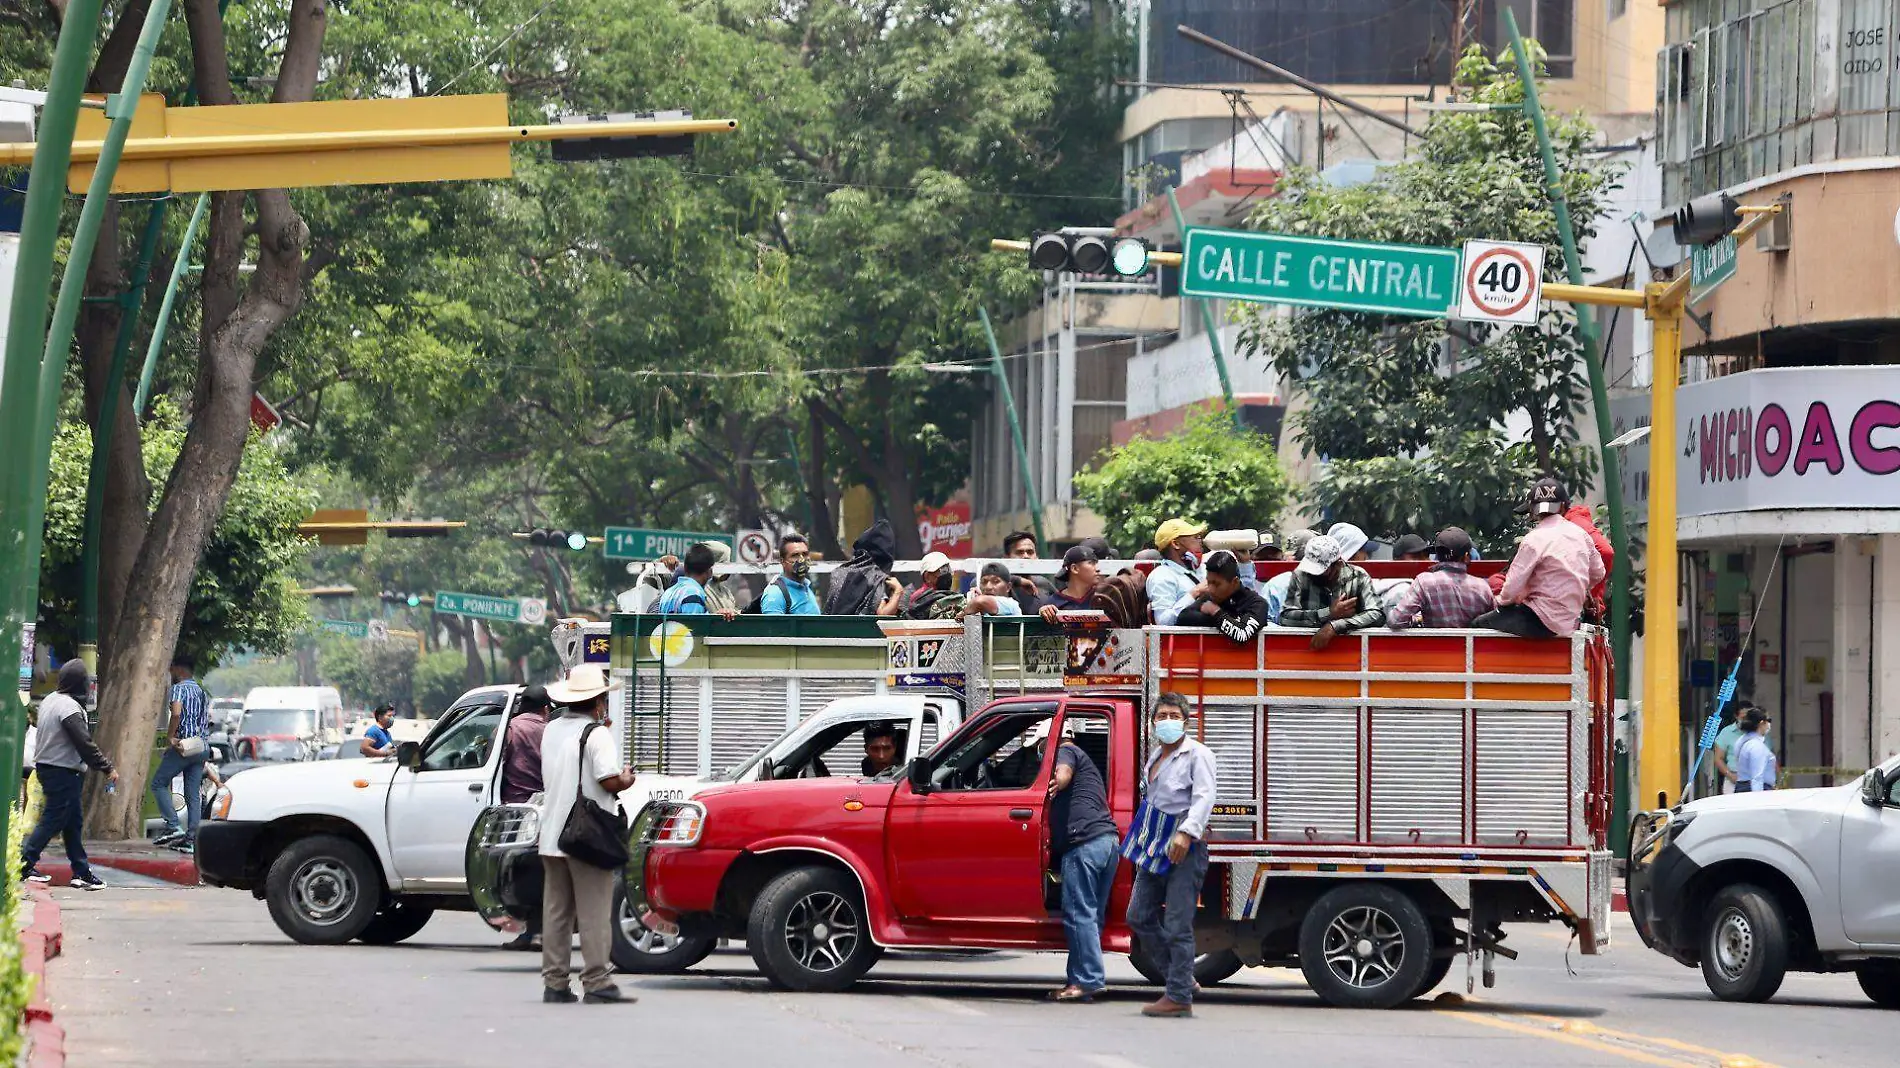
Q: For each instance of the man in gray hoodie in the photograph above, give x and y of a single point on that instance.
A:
(65, 749)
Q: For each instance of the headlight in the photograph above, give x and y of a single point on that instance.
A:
(221, 804)
(680, 824)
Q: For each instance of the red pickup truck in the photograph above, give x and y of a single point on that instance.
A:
(1386, 805)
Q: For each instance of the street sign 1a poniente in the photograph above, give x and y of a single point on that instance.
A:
(636, 543)
(1417, 280)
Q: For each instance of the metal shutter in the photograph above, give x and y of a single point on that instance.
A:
(1523, 778)
(1418, 775)
(1312, 774)
(1231, 732)
(747, 714)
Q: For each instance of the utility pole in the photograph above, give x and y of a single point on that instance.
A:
(1015, 430)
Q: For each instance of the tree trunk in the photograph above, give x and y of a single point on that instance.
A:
(889, 474)
(236, 329)
(824, 533)
(475, 674)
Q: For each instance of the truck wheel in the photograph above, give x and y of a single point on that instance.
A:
(1209, 968)
(1744, 945)
(808, 931)
(1434, 975)
(1365, 946)
(1880, 981)
(642, 950)
(322, 890)
(398, 920)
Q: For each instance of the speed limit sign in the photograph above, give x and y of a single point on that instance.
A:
(1501, 282)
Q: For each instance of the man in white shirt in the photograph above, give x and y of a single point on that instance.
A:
(1175, 583)
(573, 892)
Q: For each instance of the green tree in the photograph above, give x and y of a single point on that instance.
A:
(1410, 416)
(243, 591)
(1206, 471)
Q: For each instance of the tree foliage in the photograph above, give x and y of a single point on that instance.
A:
(1207, 471)
(1417, 421)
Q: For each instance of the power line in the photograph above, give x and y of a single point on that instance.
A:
(482, 62)
(912, 190)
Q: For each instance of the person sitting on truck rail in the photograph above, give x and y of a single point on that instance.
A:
(1330, 594)
(1075, 584)
(1448, 595)
(791, 594)
(1181, 785)
(1225, 604)
(688, 596)
(1171, 584)
(1275, 588)
(1552, 573)
(994, 596)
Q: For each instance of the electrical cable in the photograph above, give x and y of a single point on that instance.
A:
(1727, 691)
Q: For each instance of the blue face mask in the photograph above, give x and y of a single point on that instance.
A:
(1169, 731)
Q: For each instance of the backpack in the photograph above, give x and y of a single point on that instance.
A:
(857, 589)
(1124, 598)
(757, 606)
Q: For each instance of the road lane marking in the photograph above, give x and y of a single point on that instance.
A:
(954, 1008)
(1569, 1039)
(1586, 1032)
(1726, 1060)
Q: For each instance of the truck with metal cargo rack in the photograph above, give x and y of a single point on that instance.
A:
(1386, 805)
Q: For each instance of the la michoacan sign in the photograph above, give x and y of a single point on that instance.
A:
(1816, 437)
(1417, 280)
(500, 609)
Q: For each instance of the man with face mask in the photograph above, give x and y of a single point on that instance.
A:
(1180, 784)
(791, 594)
(1171, 584)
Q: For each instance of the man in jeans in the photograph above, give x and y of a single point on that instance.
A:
(1180, 784)
(184, 755)
(60, 760)
(1089, 858)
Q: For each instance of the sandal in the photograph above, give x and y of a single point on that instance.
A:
(1074, 994)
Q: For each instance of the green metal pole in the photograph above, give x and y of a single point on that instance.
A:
(163, 326)
(1600, 400)
(1015, 429)
(1207, 323)
(39, 234)
(798, 463)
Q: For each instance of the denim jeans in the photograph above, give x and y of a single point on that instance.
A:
(1169, 936)
(1088, 874)
(61, 816)
(170, 766)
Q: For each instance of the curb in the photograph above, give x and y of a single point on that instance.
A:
(41, 941)
(179, 869)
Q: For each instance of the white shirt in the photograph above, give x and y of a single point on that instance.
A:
(1170, 590)
(560, 767)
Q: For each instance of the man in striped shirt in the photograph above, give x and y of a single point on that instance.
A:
(185, 755)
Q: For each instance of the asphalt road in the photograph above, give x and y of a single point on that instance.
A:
(163, 977)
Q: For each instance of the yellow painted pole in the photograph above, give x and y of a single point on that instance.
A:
(151, 148)
(1659, 762)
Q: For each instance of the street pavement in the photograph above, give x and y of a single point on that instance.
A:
(188, 976)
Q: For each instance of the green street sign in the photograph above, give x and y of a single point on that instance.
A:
(635, 543)
(500, 609)
(345, 626)
(1710, 266)
(1320, 273)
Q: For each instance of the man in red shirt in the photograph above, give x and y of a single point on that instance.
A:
(1552, 573)
(521, 774)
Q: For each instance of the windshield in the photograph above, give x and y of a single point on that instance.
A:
(740, 771)
(293, 721)
(279, 749)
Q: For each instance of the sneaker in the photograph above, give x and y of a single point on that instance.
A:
(34, 875)
(607, 995)
(558, 995)
(187, 847)
(169, 838)
(89, 882)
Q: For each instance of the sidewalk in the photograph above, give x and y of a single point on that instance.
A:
(140, 858)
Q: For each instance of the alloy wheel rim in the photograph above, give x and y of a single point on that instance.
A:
(1734, 943)
(1364, 947)
(822, 931)
(323, 890)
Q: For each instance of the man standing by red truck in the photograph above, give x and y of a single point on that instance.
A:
(1180, 784)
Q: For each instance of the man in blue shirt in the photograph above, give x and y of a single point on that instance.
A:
(184, 755)
(790, 594)
(687, 596)
(1175, 581)
(377, 741)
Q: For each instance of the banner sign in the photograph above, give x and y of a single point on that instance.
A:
(1811, 437)
(947, 530)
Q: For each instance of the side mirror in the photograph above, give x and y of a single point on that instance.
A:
(918, 773)
(1873, 789)
(409, 755)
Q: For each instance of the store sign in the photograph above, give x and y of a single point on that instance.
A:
(947, 530)
(1789, 438)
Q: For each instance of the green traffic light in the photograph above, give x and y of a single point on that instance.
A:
(1130, 256)
(414, 600)
(576, 540)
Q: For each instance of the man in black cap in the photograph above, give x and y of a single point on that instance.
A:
(1410, 547)
(1075, 583)
(1551, 575)
(1448, 595)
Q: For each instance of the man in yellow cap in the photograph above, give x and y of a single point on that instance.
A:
(1177, 580)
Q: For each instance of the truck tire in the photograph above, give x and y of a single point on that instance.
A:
(1744, 944)
(1365, 946)
(322, 890)
(642, 951)
(396, 921)
(1434, 975)
(1210, 969)
(1880, 981)
(808, 931)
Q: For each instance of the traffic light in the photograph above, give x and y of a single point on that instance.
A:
(1706, 219)
(405, 598)
(624, 146)
(557, 539)
(1089, 252)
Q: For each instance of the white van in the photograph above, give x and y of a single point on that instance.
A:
(312, 715)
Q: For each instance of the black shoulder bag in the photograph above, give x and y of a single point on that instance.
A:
(593, 835)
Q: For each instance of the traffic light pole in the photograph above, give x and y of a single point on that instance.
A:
(1015, 430)
(1619, 607)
